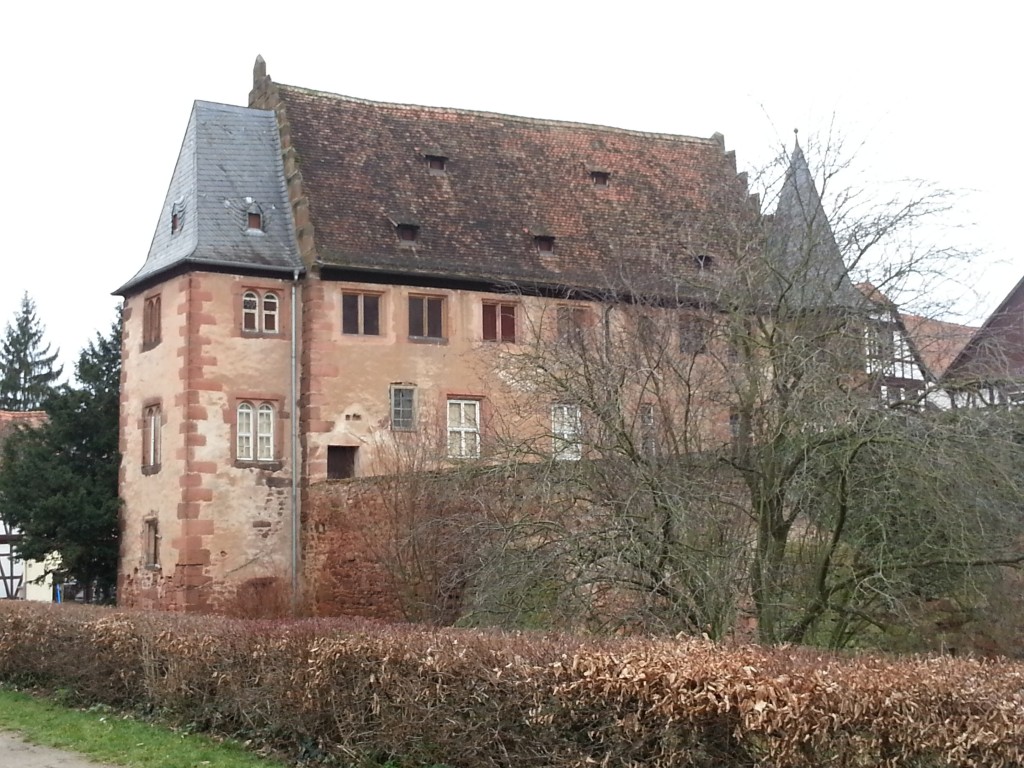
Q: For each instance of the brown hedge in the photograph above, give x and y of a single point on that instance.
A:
(340, 689)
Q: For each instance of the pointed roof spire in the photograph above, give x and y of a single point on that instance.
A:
(807, 267)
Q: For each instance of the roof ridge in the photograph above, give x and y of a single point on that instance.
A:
(233, 107)
(713, 140)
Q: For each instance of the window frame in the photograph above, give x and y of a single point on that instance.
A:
(463, 429)
(647, 416)
(152, 419)
(360, 318)
(424, 315)
(500, 311)
(695, 333)
(571, 323)
(151, 543)
(151, 321)
(566, 432)
(265, 311)
(256, 434)
(409, 424)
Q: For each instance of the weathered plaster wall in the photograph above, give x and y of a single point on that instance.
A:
(223, 521)
(151, 377)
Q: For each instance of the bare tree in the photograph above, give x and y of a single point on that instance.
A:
(719, 444)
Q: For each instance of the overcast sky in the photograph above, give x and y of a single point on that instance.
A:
(96, 97)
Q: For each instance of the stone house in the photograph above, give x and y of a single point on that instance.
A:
(330, 277)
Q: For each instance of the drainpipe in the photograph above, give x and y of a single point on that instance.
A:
(294, 410)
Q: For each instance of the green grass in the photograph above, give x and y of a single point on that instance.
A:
(110, 737)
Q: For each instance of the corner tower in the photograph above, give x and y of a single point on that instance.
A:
(207, 393)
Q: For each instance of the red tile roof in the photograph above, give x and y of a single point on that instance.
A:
(937, 342)
(507, 180)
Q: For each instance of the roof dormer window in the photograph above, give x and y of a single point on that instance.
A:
(255, 221)
(704, 261)
(600, 178)
(544, 243)
(407, 233)
(438, 164)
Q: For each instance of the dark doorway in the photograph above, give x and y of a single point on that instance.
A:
(341, 462)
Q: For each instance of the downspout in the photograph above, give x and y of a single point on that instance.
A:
(293, 407)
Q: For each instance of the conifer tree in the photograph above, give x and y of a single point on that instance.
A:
(58, 481)
(27, 372)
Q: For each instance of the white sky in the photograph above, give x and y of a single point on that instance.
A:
(96, 97)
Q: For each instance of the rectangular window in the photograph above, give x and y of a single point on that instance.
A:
(499, 322)
(572, 322)
(463, 429)
(566, 433)
(151, 322)
(403, 407)
(648, 436)
(151, 438)
(151, 543)
(426, 317)
(360, 314)
(694, 335)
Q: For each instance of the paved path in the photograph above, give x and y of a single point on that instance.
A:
(15, 752)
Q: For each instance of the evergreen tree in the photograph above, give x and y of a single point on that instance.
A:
(58, 482)
(27, 372)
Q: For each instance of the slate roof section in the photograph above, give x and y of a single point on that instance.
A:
(806, 267)
(230, 160)
(506, 181)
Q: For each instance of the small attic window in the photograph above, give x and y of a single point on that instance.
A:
(407, 233)
(600, 178)
(255, 221)
(438, 164)
(703, 261)
(544, 243)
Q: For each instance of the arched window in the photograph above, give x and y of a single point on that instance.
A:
(244, 447)
(270, 312)
(255, 432)
(260, 312)
(151, 439)
(250, 311)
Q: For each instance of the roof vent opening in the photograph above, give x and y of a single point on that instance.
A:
(438, 164)
(544, 243)
(407, 233)
(177, 216)
(704, 261)
(600, 178)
